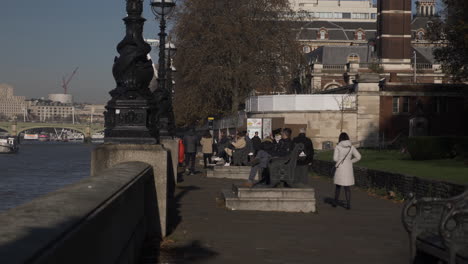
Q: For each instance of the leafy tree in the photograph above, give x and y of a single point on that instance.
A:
(453, 31)
(229, 49)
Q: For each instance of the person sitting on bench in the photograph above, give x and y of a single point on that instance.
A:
(260, 162)
(285, 145)
(240, 143)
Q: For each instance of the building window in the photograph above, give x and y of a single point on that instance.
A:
(441, 105)
(360, 15)
(306, 49)
(374, 15)
(360, 35)
(353, 58)
(406, 104)
(346, 15)
(396, 105)
(420, 35)
(325, 14)
(338, 15)
(323, 34)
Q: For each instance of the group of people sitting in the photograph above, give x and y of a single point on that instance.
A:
(260, 152)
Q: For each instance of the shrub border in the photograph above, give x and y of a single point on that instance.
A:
(398, 183)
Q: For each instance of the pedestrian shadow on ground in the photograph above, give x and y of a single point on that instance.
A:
(330, 201)
(193, 252)
(174, 211)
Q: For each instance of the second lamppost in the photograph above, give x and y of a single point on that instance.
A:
(170, 53)
(162, 9)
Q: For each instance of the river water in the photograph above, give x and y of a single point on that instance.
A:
(39, 168)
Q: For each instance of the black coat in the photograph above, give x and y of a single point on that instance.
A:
(283, 148)
(308, 149)
(191, 143)
(257, 142)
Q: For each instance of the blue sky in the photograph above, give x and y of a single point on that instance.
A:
(41, 41)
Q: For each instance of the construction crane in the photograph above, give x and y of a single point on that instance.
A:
(66, 81)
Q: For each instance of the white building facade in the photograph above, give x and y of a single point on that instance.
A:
(336, 10)
(11, 105)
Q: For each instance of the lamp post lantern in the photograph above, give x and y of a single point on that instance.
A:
(131, 114)
(163, 96)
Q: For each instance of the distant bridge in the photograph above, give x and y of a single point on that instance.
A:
(15, 128)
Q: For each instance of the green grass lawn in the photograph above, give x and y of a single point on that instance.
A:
(392, 161)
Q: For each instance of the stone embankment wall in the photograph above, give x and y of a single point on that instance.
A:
(402, 184)
(101, 219)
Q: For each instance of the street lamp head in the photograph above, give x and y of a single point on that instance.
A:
(170, 49)
(162, 8)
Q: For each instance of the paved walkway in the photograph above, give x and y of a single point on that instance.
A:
(371, 232)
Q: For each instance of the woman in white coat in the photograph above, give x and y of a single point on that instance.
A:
(344, 156)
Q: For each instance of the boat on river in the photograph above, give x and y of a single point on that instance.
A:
(8, 144)
(31, 136)
(44, 137)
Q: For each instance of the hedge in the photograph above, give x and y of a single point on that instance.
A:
(427, 148)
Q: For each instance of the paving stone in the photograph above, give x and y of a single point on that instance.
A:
(205, 232)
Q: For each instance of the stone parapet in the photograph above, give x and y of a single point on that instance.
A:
(110, 155)
(101, 219)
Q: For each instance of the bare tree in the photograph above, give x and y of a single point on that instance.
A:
(229, 49)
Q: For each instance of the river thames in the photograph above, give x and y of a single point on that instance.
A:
(39, 168)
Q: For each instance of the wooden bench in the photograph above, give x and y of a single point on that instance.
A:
(437, 228)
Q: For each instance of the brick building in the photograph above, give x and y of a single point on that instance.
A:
(388, 40)
(443, 106)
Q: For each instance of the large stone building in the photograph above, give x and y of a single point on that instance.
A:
(334, 22)
(11, 106)
(46, 110)
(395, 46)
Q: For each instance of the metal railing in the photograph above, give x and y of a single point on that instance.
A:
(423, 66)
(334, 68)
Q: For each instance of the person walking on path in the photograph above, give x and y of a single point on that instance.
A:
(345, 155)
(306, 155)
(190, 143)
(207, 148)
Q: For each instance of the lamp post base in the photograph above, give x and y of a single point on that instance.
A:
(127, 122)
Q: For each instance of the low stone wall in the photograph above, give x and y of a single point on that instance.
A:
(403, 184)
(101, 219)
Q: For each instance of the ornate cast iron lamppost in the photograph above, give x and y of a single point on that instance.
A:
(131, 116)
(162, 9)
(170, 53)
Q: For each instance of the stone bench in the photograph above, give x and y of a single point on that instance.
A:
(230, 172)
(271, 199)
(438, 229)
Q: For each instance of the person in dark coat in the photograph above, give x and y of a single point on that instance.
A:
(257, 142)
(223, 143)
(190, 143)
(306, 156)
(285, 145)
(260, 162)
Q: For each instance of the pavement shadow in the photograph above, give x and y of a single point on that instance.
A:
(330, 201)
(193, 252)
(174, 217)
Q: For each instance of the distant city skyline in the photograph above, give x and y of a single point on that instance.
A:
(42, 41)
